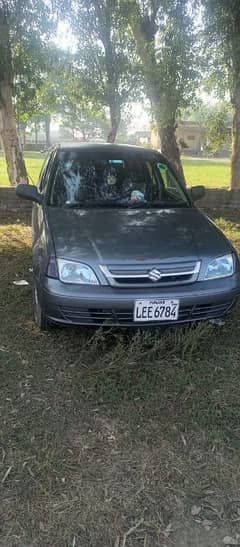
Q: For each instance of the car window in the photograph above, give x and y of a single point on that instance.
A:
(156, 184)
(41, 179)
(44, 173)
(171, 185)
(109, 181)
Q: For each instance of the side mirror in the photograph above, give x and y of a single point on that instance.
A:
(28, 192)
(197, 192)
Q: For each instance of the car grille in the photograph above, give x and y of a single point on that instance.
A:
(154, 275)
(97, 316)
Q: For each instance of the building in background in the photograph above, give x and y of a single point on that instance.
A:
(143, 138)
(190, 138)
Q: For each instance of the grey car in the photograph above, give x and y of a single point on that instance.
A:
(117, 240)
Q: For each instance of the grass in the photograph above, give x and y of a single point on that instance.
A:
(209, 172)
(109, 438)
(34, 161)
(213, 173)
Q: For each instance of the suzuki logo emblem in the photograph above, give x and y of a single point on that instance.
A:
(154, 275)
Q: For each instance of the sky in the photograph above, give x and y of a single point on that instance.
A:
(64, 38)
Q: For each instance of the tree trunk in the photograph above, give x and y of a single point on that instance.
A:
(145, 42)
(35, 133)
(113, 97)
(47, 131)
(11, 144)
(8, 127)
(24, 137)
(170, 150)
(115, 117)
(235, 172)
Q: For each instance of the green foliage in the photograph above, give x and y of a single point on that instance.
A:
(104, 60)
(218, 132)
(31, 58)
(168, 47)
(41, 94)
(216, 119)
(222, 39)
(29, 24)
(222, 43)
(78, 111)
(176, 52)
(81, 86)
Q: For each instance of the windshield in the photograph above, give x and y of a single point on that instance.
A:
(135, 181)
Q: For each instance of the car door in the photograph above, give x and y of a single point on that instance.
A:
(38, 218)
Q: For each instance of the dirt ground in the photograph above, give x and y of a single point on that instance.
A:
(115, 438)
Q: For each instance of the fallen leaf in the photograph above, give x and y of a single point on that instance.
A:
(183, 440)
(207, 524)
(7, 473)
(218, 323)
(195, 510)
(168, 530)
(227, 540)
(117, 542)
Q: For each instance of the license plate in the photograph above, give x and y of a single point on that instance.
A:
(156, 310)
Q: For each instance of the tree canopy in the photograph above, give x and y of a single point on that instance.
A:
(222, 41)
(166, 46)
(25, 26)
(122, 51)
(105, 57)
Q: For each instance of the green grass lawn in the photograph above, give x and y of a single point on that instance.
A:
(34, 161)
(110, 438)
(209, 172)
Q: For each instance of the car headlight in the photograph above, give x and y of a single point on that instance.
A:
(76, 272)
(223, 266)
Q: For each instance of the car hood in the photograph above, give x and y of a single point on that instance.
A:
(113, 236)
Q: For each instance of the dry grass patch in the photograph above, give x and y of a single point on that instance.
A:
(110, 438)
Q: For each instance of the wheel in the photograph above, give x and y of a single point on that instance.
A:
(38, 312)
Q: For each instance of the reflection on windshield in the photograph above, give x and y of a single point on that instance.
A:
(121, 182)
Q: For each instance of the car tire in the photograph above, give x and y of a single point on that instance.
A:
(38, 311)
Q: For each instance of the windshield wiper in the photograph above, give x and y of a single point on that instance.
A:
(125, 205)
(79, 205)
(92, 204)
(168, 204)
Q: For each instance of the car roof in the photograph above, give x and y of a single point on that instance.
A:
(103, 147)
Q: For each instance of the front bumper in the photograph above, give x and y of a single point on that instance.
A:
(103, 305)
